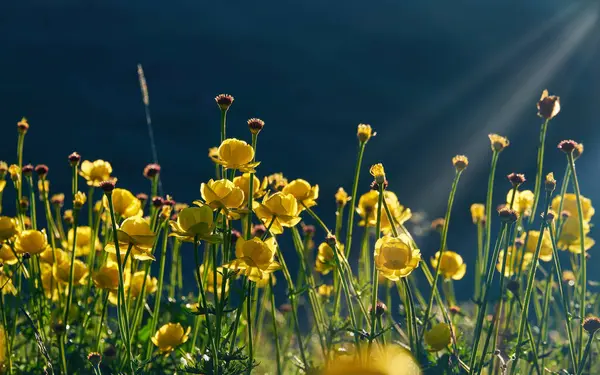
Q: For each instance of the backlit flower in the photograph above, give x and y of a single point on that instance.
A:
(170, 336)
(570, 235)
(305, 194)
(277, 181)
(364, 132)
(95, 172)
(134, 284)
(513, 261)
(194, 221)
(222, 194)
(390, 360)
(368, 205)
(523, 201)
(570, 205)
(48, 256)
(477, 212)
(7, 256)
(395, 257)
(548, 106)
(31, 241)
(6, 284)
(254, 258)
(259, 188)
(278, 211)
(134, 231)
(341, 197)
(498, 142)
(124, 202)
(107, 277)
(452, 265)
(325, 261)
(378, 173)
(62, 271)
(236, 154)
(438, 337)
(210, 285)
(83, 241)
(8, 228)
(325, 290)
(546, 244)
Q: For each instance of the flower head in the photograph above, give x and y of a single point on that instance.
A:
(107, 277)
(305, 194)
(50, 256)
(325, 261)
(151, 171)
(79, 200)
(438, 337)
(23, 126)
(124, 202)
(513, 261)
(395, 257)
(31, 241)
(96, 172)
(7, 256)
(522, 202)
(74, 159)
(368, 205)
(259, 188)
(83, 241)
(364, 132)
(477, 212)
(255, 125)
(278, 211)
(8, 228)
(545, 245)
(277, 181)
(570, 205)
(170, 336)
(568, 146)
(550, 183)
(389, 360)
(135, 231)
(460, 162)
(62, 271)
(378, 173)
(222, 194)
(341, 197)
(548, 106)
(325, 290)
(591, 324)
(254, 258)
(192, 222)
(452, 265)
(224, 101)
(236, 154)
(498, 142)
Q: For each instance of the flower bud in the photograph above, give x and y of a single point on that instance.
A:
(380, 309)
(24, 203)
(27, 170)
(151, 171)
(364, 133)
(341, 197)
(498, 142)
(94, 358)
(224, 101)
(508, 215)
(550, 216)
(460, 162)
(591, 325)
(41, 170)
(107, 187)
(157, 202)
(22, 126)
(454, 309)
(255, 125)
(258, 230)
(58, 199)
(74, 159)
(568, 146)
(331, 240)
(308, 230)
(548, 106)
(143, 198)
(516, 179)
(79, 200)
(26, 256)
(438, 224)
(578, 151)
(550, 183)
(519, 242)
(378, 172)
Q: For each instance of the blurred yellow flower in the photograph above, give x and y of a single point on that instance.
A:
(570, 206)
(170, 336)
(6, 285)
(194, 221)
(277, 181)
(390, 360)
(523, 201)
(107, 277)
(305, 194)
(438, 337)
(221, 194)
(452, 265)
(278, 211)
(378, 173)
(325, 290)
(513, 261)
(341, 197)
(124, 202)
(7, 256)
(79, 200)
(325, 261)
(264, 282)
(368, 206)
(31, 241)
(568, 277)
(395, 257)
(62, 271)
(546, 245)
(570, 236)
(47, 256)
(477, 212)
(134, 284)
(236, 154)
(83, 242)
(259, 188)
(96, 172)
(254, 258)
(8, 228)
(210, 280)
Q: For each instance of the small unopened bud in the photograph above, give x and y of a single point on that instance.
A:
(454, 309)
(378, 173)
(341, 197)
(107, 187)
(380, 308)
(41, 170)
(79, 200)
(438, 224)
(567, 146)
(68, 216)
(516, 179)
(74, 159)
(508, 215)
(460, 162)
(143, 197)
(308, 230)
(255, 125)
(519, 242)
(550, 183)
(24, 203)
(364, 132)
(169, 201)
(498, 142)
(591, 325)
(224, 101)
(94, 358)
(578, 151)
(58, 199)
(550, 216)
(157, 202)
(23, 126)
(548, 106)
(259, 230)
(151, 171)
(27, 170)
(26, 256)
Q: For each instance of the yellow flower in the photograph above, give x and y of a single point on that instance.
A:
(259, 188)
(325, 262)
(79, 199)
(194, 221)
(513, 261)
(2, 184)
(390, 360)
(546, 246)
(134, 284)
(43, 187)
(548, 106)
(221, 194)
(47, 256)
(62, 271)
(210, 283)
(452, 265)
(236, 154)
(264, 282)
(325, 290)
(570, 205)
(107, 277)
(51, 286)
(395, 257)
(15, 174)
(477, 212)
(134, 231)
(378, 172)
(523, 201)
(570, 236)
(460, 162)
(368, 205)
(213, 152)
(125, 203)
(83, 242)
(8, 228)
(31, 241)
(438, 337)
(498, 142)
(170, 336)
(276, 181)
(364, 132)
(568, 277)
(341, 197)
(278, 211)
(96, 172)
(7, 285)
(7, 256)
(305, 194)
(254, 258)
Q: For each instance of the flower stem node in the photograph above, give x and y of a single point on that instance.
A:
(224, 101)
(255, 125)
(460, 162)
(591, 324)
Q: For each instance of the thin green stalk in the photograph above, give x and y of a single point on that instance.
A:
(249, 320)
(350, 226)
(563, 190)
(442, 246)
(6, 335)
(375, 278)
(411, 318)
(32, 210)
(586, 354)
(274, 319)
(72, 269)
(101, 321)
(543, 336)
(540, 173)
(248, 231)
(488, 211)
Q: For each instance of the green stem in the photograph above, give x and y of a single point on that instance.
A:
(274, 319)
(249, 320)
(586, 354)
(101, 321)
(375, 278)
(539, 174)
(359, 158)
(72, 269)
(6, 335)
(488, 212)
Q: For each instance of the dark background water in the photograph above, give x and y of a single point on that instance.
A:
(433, 78)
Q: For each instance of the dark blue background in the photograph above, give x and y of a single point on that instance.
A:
(432, 77)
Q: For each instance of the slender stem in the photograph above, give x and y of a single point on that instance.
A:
(411, 319)
(375, 278)
(72, 269)
(540, 173)
(101, 321)
(349, 228)
(6, 335)
(249, 320)
(488, 212)
(274, 319)
(586, 354)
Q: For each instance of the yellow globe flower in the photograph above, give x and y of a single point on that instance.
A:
(325, 261)
(95, 172)
(368, 206)
(523, 202)
(570, 236)
(546, 246)
(259, 188)
(254, 258)
(125, 203)
(31, 241)
(378, 173)
(264, 281)
(7, 256)
(305, 194)
(341, 197)
(83, 242)
(390, 360)
(364, 132)
(62, 271)
(325, 290)
(7, 285)
(452, 265)
(134, 284)
(107, 277)
(477, 212)
(9, 228)
(47, 256)
(222, 194)
(210, 280)
(278, 211)
(236, 154)
(570, 205)
(513, 261)
(134, 231)
(438, 337)
(194, 221)
(170, 336)
(395, 257)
